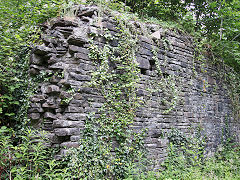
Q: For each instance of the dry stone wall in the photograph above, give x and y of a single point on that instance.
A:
(188, 93)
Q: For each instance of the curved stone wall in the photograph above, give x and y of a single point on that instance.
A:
(196, 94)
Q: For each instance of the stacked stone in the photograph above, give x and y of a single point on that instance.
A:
(64, 54)
(62, 103)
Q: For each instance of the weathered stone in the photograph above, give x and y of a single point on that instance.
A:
(33, 71)
(81, 31)
(53, 138)
(88, 90)
(38, 98)
(61, 50)
(48, 115)
(157, 34)
(143, 63)
(35, 59)
(88, 12)
(50, 89)
(75, 138)
(92, 30)
(80, 77)
(145, 52)
(72, 109)
(75, 116)
(81, 56)
(66, 31)
(34, 116)
(73, 49)
(49, 106)
(42, 50)
(66, 123)
(69, 144)
(39, 68)
(63, 23)
(35, 110)
(53, 59)
(109, 26)
(58, 65)
(77, 40)
(66, 131)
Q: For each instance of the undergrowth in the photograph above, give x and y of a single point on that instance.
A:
(187, 160)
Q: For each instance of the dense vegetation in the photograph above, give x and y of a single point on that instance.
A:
(216, 28)
(217, 21)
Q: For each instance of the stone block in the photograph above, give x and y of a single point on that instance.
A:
(34, 116)
(35, 110)
(77, 49)
(66, 131)
(77, 40)
(109, 26)
(74, 109)
(88, 12)
(61, 22)
(75, 138)
(75, 116)
(38, 98)
(66, 31)
(58, 66)
(81, 56)
(143, 63)
(49, 106)
(48, 115)
(69, 144)
(67, 123)
(80, 77)
(50, 89)
(42, 50)
(36, 59)
(53, 138)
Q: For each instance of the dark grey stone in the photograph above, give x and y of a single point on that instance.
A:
(42, 50)
(36, 59)
(59, 22)
(143, 63)
(77, 40)
(66, 131)
(48, 115)
(89, 12)
(69, 144)
(80, 77)
(67, 123)
(34, 116)
(73, 49)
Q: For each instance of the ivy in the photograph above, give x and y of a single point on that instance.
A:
(109, 147)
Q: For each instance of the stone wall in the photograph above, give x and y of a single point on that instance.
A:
(191, 95)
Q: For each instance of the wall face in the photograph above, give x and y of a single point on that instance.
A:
(189, 88)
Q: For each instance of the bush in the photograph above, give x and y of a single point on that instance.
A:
(29, 159)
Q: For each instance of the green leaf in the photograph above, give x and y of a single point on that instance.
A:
(9, 114)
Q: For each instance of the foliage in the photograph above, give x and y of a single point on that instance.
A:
(186, 161)
(29, 159)
(20, 156)
(191, 164)
(19, 22)
(216, 20)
